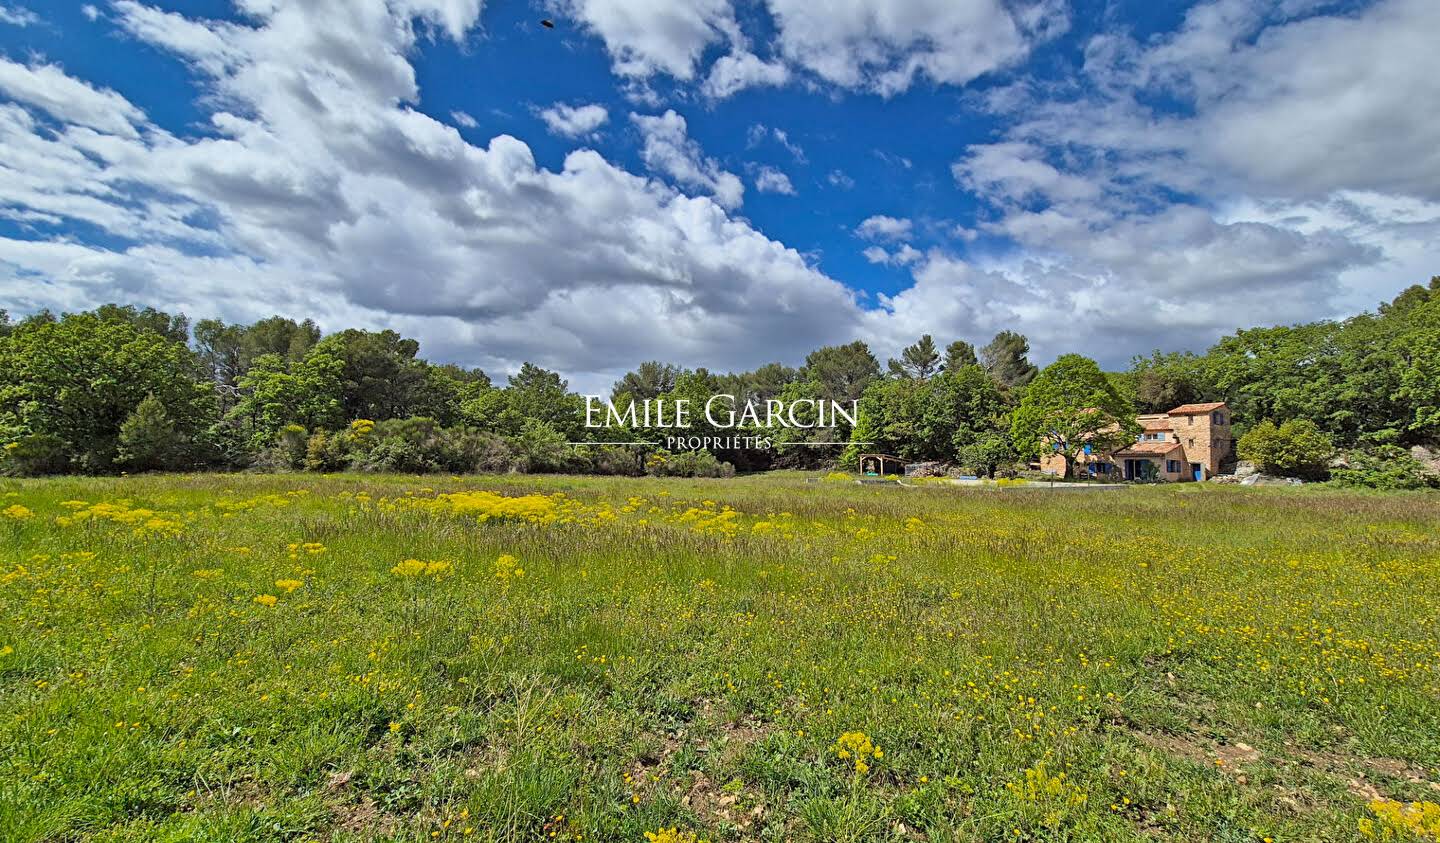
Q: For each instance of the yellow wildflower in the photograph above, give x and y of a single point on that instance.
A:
(672, 835)
(1402, 821)
(857, 747)
(508, 568)
(420, 568)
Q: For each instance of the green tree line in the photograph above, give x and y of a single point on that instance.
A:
(122, 388)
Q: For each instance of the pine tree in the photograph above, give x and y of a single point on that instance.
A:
(958, 355)
(918, 361)
(148, 441)
(1006, 361)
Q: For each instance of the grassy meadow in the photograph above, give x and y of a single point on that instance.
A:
(236, 658)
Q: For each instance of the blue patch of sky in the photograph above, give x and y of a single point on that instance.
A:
(893, 154)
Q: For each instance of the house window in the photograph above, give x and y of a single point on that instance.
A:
(1172, 466)
(1190, 441)
(1219, 418)
(1191, 418)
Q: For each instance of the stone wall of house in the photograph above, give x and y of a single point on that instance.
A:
(1053, 464)
(1205, 441)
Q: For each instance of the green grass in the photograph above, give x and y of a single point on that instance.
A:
(1182, 663)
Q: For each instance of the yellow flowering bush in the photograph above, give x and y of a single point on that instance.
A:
(485, 506)
(1039, 785)
(413, 568)
(144, 523)
(288, 585)
(268, 600)
(1402, 821)
(857, 747)
(672, 835)
(1050, 798)
(307, 548)
(507, 569)
(16, 512)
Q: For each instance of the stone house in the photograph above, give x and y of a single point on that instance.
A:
(1188, 443)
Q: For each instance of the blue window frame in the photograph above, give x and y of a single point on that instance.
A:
(1172, 466)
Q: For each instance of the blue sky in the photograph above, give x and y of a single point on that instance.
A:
(717, 183)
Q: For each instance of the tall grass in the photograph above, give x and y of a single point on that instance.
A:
(1187, 663)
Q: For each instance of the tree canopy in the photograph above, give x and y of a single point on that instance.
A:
(918, 361)
(135, 388)
(1006, 358)
(1071, 405)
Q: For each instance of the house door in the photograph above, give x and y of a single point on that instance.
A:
(1197, 471)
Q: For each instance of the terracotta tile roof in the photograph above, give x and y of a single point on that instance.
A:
(1150, 449)
(1196, 409)
(1155, 423)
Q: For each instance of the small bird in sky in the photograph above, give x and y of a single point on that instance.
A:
(547, 23)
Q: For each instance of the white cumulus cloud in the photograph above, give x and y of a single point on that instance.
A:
(17, 16)
(740, 70)
(771, 180)
(319, 190)
(647, 37)
(669, 149)
(575, 121)
(881, 227)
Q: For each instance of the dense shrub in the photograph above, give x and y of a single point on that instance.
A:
(465, 450)
(230, 445)
(687, 464)
(35, 455)
(1297, 448)
(541, 448)
(616, 459)
(288, 451)
(1385, 467)
(415, 445)
(148, 439)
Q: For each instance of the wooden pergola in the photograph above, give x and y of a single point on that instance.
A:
(879, 465)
